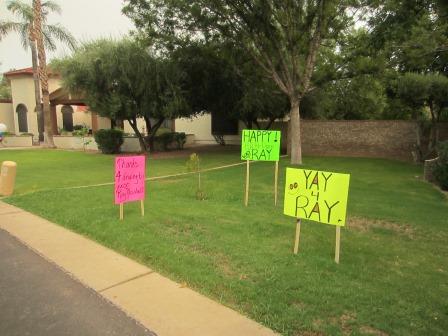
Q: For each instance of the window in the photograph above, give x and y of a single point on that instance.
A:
(67, 118)
(22, 118)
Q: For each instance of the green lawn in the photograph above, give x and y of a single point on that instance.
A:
(394, 253)
(50, 169)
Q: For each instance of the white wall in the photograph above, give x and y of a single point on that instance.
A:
(201, 127)
(140, 125)
(22, 89)
(7, 116)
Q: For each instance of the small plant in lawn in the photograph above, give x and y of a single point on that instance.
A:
(109, 140)
(194, 165)
(83, 133)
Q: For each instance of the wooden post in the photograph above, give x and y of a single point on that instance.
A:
(296, 241)
(54, 119)
(94, 118)
(142, 207)
(246, 198)
(276, 183)
(121, 211)
(338, 244)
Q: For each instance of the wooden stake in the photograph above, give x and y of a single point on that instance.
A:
(121, 211)
(142, 207)
(338, 244)
(296, 241)
(276, 183)
(246, 198)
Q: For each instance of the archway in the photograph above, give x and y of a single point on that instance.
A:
(22, 118)
(67, 118)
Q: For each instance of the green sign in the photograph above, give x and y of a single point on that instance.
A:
(316, 195)
(259, 145)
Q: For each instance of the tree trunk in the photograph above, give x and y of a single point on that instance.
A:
(418, 157)
(294, 133)
(269, 124)
(152, 130)
(37, 11)
(37, 95)
(133, 123)
(434, 132)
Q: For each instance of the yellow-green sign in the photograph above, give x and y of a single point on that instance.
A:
(259, 145)
(316, 195)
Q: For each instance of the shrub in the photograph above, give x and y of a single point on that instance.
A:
(164, 140)
(180, 139)
(109, 140)
(441, 168)
(163, 130)
(79, 127)
(83, 134)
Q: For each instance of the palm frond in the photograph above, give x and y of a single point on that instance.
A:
(50, 6)
(16, 27)
(48, 41)
(7, 27)
(61, 34)
(25, 37)
(19, 8)
(51, 33)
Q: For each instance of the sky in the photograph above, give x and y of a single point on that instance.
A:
(85, 19)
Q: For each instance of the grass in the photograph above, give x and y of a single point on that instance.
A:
(392, 279)
(50, 169)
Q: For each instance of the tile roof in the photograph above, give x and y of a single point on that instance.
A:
(26, 71)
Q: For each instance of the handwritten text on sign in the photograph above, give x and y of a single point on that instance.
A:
(129, 179)
(316, 195)
(260, 145)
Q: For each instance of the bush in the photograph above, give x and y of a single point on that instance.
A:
(79, 127)
(164, 140)
(441, 168)
(109, 140)
(181, 139)
(163, 130)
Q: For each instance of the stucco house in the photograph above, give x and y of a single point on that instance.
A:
(19, 113)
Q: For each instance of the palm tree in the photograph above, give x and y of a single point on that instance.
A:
(25, 28)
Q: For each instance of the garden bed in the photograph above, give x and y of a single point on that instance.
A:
(18, 141)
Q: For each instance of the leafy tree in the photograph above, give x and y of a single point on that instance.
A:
(283, 37)
(5, 89)
(221, 79)
(124, 81)
(413, 34)
(25, 29)
(427, 96)
(361, 97)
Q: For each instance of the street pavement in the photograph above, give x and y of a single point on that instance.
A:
(37, 298)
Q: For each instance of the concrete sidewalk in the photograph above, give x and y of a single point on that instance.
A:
(38, 298)
(158, 303)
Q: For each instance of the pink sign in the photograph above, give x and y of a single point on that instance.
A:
(129, 179)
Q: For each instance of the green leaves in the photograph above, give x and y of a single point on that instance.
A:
(125, 80)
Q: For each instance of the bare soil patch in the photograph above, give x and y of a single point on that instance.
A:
(365, 225)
